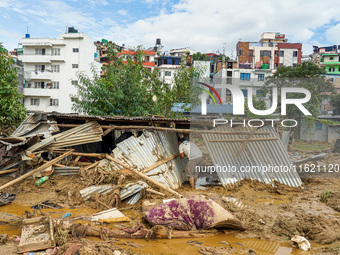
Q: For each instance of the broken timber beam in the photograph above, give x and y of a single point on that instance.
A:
(246, 141)
(144, 176)
(159, 163)
(84, 154)
(44, 166)
(185, 131)
(242, 140)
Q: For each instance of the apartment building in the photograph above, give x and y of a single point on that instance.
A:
(270, 52)
(51, 67)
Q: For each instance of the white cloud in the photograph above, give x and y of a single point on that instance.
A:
(206, 25)
(333, 34)
(122, 12)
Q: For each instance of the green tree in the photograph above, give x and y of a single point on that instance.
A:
(306, 75)
(129, 89)
(258, 103)
(199, 56)
(335, 102)
(12, 111)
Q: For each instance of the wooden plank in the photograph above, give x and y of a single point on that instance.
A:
(144, 176)
(84, 154)
(159, 163)
(108, 130)
(242, 140)
(246, 141)
(92, 165)
(40, 168)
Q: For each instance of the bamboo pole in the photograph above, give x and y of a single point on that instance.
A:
(144, 176)
(8, 171)
(49, 163)
(92, 165)
(155, 192)
(159, 163)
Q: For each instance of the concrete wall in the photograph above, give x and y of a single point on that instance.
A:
(319, 132)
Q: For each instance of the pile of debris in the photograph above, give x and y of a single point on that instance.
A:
(140, 164)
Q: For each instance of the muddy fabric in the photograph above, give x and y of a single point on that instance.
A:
(192, 213)
(6, 198)
(72, 249)
(191, 167)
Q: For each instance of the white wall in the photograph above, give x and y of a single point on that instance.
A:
(66, 42)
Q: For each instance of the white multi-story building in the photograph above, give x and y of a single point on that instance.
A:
(51, 67)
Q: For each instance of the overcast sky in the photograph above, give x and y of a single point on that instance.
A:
(202, 25)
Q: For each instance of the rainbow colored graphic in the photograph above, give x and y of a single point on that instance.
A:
(213, 90)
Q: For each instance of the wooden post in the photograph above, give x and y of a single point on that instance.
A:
(245, 142)
(159, 163)
(155, 192)
(242, 140)
(49, 163)
(144, 176)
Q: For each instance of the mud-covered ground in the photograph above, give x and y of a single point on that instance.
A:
(270, 215)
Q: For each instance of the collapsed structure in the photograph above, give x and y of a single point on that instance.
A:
(148, 146)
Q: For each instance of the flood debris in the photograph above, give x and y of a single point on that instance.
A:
(110, 216)
(37, 234)
(192, 213)
(6, 198)
(302, 242)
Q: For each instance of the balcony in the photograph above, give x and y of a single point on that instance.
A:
(35, 58)
(31, 75)
(38, 92)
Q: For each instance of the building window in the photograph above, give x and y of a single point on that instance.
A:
(159, 74)
(294, 65)
(55, 85)
(282, 53)
(55, 52)
(240, 52)
(276, 54)
(245, 76)
(74, 82)
(275, 65)
(74, 65)
(250, 53)
(265, 53)
(260, 93)
(54, 102)
(39, 85)
(339, 69)
(281, 64)
(39, 51)
(260, 77)
(55, 68)
(167, 73)
(228, 95)
(35, 101)
(295, 53)
(229, 80)
(39, 68)
(331, 69)
(331, 58)
(245, 92)
(75, 49)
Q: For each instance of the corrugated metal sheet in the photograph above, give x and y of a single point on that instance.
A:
(133, 190)
(146, 150)
(101, 189)
(256, 153)
(87, 133)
